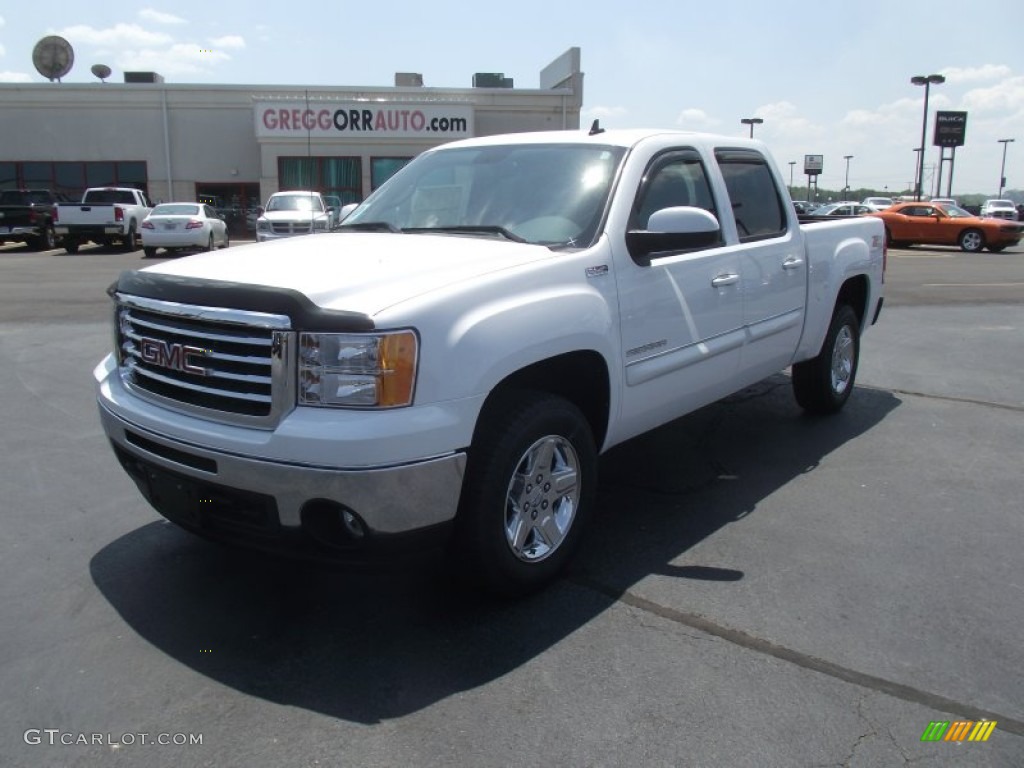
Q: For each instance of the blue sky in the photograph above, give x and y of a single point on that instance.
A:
(828, 78)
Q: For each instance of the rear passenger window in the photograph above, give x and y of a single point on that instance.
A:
(756, 204)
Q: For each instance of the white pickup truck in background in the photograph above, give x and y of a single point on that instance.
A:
(105, 215)
(490, 320)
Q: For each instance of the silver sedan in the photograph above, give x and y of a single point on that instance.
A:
(183, 226)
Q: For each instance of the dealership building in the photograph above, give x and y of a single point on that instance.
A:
(234, 145)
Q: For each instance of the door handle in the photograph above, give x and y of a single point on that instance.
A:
(726, 279)
(792, 263)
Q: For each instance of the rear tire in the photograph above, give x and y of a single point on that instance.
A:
(823, 384)
(131, 240)
(530, 485)
(46, 241)
(149, 253)
(209, 243)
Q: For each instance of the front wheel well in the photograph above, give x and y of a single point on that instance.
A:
(580, 377)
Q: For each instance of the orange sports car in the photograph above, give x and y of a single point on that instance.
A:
(946, 224)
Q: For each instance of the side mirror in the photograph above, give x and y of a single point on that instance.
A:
(260, 211)
(680, 228)
(346, 210)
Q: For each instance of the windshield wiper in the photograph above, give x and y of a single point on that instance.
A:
(469, 229)
(371, 226)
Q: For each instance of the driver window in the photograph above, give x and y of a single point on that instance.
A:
(673, 180)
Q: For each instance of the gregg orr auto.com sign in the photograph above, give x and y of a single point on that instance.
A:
(350, 119)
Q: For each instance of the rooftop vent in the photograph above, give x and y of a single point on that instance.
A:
(408, 80)
(491, 80)
(143, 77)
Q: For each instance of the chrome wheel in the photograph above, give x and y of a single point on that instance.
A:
(842, 360)
(972, 241)
(542, 499)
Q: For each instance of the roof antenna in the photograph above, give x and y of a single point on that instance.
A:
(595, 127)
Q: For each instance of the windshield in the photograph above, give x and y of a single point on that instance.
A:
(296, 202)
(549, 194)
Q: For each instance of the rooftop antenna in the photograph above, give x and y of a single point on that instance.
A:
(595, 127)
(53, 57)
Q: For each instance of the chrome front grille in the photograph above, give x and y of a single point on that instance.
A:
(222, 364)
(292, 227)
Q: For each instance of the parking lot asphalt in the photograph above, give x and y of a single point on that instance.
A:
(760, 588)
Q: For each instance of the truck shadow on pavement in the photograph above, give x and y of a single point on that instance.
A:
(377, 644)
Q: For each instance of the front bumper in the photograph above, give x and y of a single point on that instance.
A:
(276, 505)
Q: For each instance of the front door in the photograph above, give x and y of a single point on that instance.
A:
(681, 313)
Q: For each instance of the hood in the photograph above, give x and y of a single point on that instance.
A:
(364, 272)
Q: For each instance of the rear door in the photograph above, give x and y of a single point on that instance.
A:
(772, 262)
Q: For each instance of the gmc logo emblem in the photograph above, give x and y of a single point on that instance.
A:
(177, 357)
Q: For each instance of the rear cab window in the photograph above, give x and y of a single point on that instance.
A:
(757, 206)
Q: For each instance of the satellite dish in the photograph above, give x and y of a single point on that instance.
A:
(53, 57)
(102, 71)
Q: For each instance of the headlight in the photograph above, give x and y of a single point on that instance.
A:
(320, 224)
(262, 225)
(357, 370)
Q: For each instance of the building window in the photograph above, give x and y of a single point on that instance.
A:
(383, 168)
(73, 178)
(335, 176)
(8, 176)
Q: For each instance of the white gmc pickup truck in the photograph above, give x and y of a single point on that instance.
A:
(453, 361)
(105, 215)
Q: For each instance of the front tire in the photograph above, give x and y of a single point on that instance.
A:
(530, 485)
(972, 240)
(149, 253)
(823, 384)
(70, 245)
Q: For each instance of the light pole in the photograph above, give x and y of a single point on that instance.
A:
(918, 165)
(926, 81)
(1002, 169)
(846, 189)
(791, 164)
(751, 121)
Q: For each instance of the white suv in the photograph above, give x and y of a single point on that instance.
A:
(999, 209)
(292, 213)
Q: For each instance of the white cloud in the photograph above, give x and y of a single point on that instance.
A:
(1006, 96)
(695, 119)
(604, 113)
(149, 14)
(117, 37)
(228, 41)
(177, 59)
(15, 77)
(986, 73)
